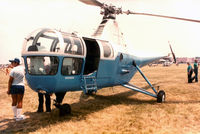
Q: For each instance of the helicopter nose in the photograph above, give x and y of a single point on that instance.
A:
(43, 84)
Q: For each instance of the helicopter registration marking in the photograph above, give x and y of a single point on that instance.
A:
(69, 78)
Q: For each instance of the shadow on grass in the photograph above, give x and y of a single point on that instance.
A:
(183, 102)
(80, 110)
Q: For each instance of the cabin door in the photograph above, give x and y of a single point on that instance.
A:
(92, 56)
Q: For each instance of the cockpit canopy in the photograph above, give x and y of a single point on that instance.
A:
(47, 41)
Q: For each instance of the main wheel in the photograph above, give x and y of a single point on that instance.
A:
(65, 109)
(161, 96)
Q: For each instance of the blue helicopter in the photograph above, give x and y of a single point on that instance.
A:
(59, 62)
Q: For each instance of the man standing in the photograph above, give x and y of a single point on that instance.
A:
(16, 88)
(196, 70)
(189, 73)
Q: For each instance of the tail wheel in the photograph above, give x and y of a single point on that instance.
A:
(161, 96)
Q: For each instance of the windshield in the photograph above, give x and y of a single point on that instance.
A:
(42, 65)
(44, 41)
(73, 45)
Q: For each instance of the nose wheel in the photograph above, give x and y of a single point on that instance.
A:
(161, 96)
(65, 109)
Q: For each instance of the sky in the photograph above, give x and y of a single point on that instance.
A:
(144, 35)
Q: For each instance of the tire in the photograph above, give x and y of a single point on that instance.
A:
(161, 96)
(65, 109)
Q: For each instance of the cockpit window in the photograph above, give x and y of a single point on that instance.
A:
(42, 65)
(44, 41)
(71, 66)
(77, 42)
(73, 46)
(68, 45)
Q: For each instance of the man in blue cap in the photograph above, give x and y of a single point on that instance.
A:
(16, 60)
(16, 88)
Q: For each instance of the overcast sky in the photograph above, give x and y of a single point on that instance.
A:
(144, 34)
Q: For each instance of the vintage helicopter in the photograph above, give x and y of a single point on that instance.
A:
(59, 62)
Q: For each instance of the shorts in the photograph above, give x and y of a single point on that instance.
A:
(17, 89)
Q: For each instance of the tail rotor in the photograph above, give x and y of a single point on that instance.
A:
(173, 54)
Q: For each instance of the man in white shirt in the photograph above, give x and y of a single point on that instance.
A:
(16, 88)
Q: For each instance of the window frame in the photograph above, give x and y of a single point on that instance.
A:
(47, 74)
(80, 65)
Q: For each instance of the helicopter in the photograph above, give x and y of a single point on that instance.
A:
(59, 62)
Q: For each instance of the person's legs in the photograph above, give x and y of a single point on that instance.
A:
(19, 100)
(196, 76)
(41, 101)
(14, 105)
(189, 79)
(48, 103)
(19, 106)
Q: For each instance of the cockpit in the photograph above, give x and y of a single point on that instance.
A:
(54, 42)
(55, 60)
(43, 47)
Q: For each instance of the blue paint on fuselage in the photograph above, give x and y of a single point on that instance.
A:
(110, 73)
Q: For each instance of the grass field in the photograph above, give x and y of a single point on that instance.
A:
(114, 110)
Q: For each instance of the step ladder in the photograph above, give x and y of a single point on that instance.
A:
(90, 84)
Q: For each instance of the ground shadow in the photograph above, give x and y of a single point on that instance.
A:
(183, 102)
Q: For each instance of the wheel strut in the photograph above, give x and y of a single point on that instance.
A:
(159, 95)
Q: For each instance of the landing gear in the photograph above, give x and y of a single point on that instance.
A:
(161, 96)
(64, 109)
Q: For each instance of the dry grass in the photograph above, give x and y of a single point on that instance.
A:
(114, 110)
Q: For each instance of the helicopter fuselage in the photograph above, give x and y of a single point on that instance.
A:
(60, 62)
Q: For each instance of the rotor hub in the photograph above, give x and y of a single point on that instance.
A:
(110, 11)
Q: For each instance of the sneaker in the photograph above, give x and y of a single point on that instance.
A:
(22, 117)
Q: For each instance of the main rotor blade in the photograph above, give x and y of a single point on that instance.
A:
(92, 2)
(163, 16)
